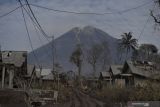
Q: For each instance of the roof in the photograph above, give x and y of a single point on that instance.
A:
(140, 70)
(39, 72)
(48, 77)
(44, 71)
(14, 57)
(105, 74)
(116, 69)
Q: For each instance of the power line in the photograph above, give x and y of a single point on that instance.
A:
(37, 33)
(34, 23)
(142, 31)
(30, 41)
(73, 12)
(6, 14)
(43, 32)
(92, 13)
(35, 26)
(40, 29)
(145, 24)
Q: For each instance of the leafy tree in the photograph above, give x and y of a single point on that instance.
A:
(147, 50)
(127, 43)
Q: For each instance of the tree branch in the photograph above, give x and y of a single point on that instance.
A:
(155, 19)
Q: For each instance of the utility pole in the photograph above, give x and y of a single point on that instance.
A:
(53, 53)
(0, 54)
(54, 60)
(55, 66)
(3, 69)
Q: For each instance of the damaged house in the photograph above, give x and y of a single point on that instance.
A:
(13, 66)
(105, 77)
(132, 73)
(137, 72)
(115, 71)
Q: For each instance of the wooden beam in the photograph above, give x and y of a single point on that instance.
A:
(3, 76)
(11, 75)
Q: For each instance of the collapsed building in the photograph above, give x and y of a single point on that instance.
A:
(13, 66)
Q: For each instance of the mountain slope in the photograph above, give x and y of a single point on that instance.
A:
(65, 45)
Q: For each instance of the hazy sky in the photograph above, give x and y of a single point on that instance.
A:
(13, 34)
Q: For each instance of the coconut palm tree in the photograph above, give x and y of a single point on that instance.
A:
(128, 43)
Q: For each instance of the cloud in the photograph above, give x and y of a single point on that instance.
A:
(13, 34)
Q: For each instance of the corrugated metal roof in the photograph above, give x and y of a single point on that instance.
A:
(105, 74)
(48, 77)
(44, 71)
(14, 57)
(140, 71)
(116, 69)
(39, 72)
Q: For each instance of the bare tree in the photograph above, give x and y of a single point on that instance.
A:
(105, 57)
(97, 54)
(156, 14)
(76, 58)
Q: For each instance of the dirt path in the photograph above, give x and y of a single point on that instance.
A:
(80, 99)
(86, 101)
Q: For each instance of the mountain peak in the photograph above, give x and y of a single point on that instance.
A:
(90, 28)
(87, 30)
(84, 29)
(75, 29)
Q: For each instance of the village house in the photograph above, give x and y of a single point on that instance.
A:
(130, 74)
(13, 66)
(49, 79)
(105, 77)
(112, 76)
(115, 72)
(38, 77)
(137, 72)
(43, 77)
